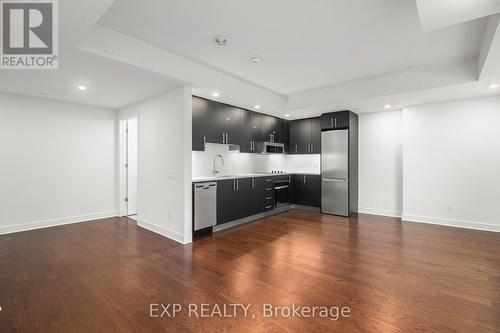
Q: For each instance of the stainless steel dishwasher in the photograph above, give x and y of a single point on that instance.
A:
(205, 205)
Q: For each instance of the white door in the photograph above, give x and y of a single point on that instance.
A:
(132, 166)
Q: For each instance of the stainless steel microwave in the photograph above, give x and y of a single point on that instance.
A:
(271, 148)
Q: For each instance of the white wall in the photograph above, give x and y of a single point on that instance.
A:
(164, 163)
(451, 163)
(380, 163)
(57, 163)
(237, 163)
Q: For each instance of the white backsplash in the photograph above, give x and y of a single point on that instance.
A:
(237, 163)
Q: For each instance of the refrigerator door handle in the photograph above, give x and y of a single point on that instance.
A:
(334, 179)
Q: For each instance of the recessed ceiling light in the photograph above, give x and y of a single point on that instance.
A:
(108, 49)
(256, 59)
(287, 115)
(215, 94)
(221, 40)
(493, 85)
(387, 106)
(257, 106)
(81, 87)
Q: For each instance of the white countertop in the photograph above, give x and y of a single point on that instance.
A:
(246, 175)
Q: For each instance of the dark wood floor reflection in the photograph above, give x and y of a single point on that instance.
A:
(101, 276)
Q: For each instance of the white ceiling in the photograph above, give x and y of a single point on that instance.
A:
(436, 14)
(304, 44)
(318, 56)
(110, 83)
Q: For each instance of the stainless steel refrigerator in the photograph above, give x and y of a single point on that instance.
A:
(339, 194)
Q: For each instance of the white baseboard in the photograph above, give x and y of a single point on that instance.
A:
(9, 229)
(451, 222)
(173, 235)
(381, 212)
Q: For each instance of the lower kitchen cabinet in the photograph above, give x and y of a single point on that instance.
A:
(239, 198)
(243, 197)
(306, 190)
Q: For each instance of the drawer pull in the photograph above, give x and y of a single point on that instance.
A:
(267, 207)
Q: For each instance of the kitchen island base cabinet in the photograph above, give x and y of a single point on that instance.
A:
(306, 190)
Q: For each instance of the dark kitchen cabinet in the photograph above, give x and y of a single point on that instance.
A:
(251, 127)
(273, 129)
(225, 201)
(306, 190)
(215, 122)
(305, 136)
(201, 109)
(266, 194)
(238, 198)
(232, 124)
(335, 120)
(315, 136)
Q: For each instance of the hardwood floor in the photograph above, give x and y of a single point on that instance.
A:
(102, 276)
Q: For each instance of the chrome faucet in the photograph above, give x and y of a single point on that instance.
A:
(222, 160)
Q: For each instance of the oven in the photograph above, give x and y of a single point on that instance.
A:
(282, 191)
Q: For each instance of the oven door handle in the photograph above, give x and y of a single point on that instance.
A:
(281, 187)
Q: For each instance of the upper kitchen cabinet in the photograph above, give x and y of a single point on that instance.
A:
(232, 124)
(305, 136)
(215, 122)
(201, 109)
(273, 129)
(251, 131)
(335, 120)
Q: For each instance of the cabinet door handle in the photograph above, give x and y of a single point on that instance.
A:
(267, 207)
(223, 137)
(335, 122)
(312, 147)
(204, 142)
(269, 198)
(237, 185)
(253, 182)
(227, 138)
(305, 179)
(331, 122)
(296, 148)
